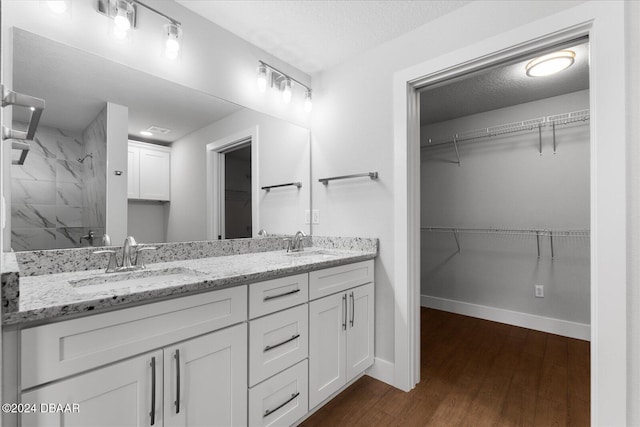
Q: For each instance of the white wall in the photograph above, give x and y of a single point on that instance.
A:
(632, 15)
(117, 140)
(353, 131)
(146, 221)
(283, 156)
(212, 59)
(503, 182)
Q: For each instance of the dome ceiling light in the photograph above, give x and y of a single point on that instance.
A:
(551, 63)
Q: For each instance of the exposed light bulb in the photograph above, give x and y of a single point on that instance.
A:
(308, 102)
(172, 42)
(58, 6)
(552, 63)
(121, 20)
(286, 90)
(262, 78)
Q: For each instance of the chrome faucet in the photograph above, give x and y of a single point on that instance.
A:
(88, 237)
(296, 243)
(129, 262)
(129, 246)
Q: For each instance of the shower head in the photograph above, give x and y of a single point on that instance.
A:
(81, 160)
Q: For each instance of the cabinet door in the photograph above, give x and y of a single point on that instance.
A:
(327, 339)
(212, 374)
(133, 172)
(117, 395)
(155, 174)
(360, 303)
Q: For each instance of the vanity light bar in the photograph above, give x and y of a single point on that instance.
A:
(282, 82)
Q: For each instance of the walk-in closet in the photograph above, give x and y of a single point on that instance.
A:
(505, 217)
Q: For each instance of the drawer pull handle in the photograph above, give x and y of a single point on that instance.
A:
(271, 347)
(281, 295)
(177, 402)
(271, 411)
(152, 414)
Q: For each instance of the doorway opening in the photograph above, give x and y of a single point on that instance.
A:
(235, 193)
(232, 185)
(504, 233)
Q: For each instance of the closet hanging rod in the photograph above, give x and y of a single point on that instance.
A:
(269, 187)
(522, 126)
(372, 175)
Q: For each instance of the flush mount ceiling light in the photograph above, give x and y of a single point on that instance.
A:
(551, 63)
(145, 133)
(281, 82)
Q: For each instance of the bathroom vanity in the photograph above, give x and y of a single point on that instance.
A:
(255, 338)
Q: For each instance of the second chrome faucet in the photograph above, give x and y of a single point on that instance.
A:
(132, 256)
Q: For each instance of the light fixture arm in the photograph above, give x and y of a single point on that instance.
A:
(284, 75)
(165, 16)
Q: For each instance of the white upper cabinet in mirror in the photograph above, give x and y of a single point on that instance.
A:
(60, 194)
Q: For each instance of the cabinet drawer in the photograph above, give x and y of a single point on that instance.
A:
(280, 400)
(61, 349)
(277, 294)
(277, 341)
(336, 279)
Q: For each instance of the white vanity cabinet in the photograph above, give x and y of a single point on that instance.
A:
(341, 327)
(149, 172)
(205, 380)
(278, 351)
(121, 394)
(105, 364)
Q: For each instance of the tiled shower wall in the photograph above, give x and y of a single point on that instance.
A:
(55, 199)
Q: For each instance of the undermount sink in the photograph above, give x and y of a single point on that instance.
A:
(109, 281)
(317, 253)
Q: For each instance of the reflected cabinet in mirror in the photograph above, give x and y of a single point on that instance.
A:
(196, 171)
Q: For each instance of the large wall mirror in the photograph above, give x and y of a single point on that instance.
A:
(221, 155)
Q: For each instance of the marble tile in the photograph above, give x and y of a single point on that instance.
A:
(69, 194)
(33, 216)
(69, 237)
(28, 239)
(33, 192)
(35, 167)
(70, 216)
(69, 171)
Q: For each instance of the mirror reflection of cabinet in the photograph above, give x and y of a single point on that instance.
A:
(149, 172)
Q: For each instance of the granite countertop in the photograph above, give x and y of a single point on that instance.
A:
(53, 296)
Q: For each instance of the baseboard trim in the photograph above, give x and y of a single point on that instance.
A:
(382, 370)
(539, 323)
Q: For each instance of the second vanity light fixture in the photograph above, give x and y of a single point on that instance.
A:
(283, 83)
(123, 13)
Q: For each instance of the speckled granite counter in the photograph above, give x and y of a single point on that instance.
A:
(53, 296)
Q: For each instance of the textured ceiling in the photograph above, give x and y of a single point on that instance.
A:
(501, 87)
(75, 86)
(315, 35)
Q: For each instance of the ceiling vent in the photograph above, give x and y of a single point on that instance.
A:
(157, 130)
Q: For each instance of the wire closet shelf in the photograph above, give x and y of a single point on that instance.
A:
(522, 126)
(537, 233)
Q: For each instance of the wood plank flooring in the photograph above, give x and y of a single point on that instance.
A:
(475, 373)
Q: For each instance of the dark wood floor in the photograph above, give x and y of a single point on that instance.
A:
(475, 373)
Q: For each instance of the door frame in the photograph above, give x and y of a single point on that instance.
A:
(214, 153)
(603, 22)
